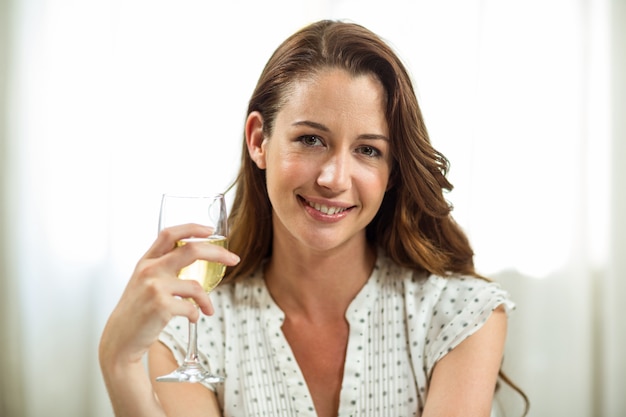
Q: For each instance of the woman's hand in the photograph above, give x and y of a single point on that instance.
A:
(154, 295)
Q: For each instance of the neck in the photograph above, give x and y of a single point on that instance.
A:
(318, 286)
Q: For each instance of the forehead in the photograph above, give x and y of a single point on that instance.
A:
(325, 74)
(336, 93)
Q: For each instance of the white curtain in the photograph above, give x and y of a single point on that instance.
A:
(105, 104)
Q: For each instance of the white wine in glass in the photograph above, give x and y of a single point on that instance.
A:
(209, 211)
(208, 274)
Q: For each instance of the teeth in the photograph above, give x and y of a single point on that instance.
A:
(325, 209)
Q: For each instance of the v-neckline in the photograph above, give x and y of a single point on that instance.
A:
(273, 318)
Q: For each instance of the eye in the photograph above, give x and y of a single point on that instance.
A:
(369, 151)
(310, 140)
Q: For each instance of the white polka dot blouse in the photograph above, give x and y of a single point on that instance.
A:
(401, 324)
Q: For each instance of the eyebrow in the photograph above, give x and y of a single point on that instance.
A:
(323, 128)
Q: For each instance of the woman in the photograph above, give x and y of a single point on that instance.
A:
(351, 290)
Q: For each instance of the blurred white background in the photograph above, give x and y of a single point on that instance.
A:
(106, 104)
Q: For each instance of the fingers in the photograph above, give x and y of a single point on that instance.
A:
(183, 293)
(163, 261)
(165, 244)
(178, 258)
(156, 274)
(157, 278)
(168, 237)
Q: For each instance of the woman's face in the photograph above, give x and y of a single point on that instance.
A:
(327, 161)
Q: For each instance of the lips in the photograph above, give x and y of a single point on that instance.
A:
(326, 209)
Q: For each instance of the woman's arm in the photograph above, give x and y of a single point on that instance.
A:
(131, 392)
(153, 296)
(464, 381)
(179, 399)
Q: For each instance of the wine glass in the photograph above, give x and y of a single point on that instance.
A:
(209, 211)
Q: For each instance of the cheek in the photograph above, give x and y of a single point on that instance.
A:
(375, 190)
(372, 195)
(285, 172)
(373, 182)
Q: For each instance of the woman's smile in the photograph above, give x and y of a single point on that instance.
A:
(326, 211)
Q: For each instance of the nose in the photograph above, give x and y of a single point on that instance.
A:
(336, 172)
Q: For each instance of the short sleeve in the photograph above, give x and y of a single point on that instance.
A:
(174, 336)
(463, 307)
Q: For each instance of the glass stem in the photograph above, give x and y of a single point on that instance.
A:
(191, 358)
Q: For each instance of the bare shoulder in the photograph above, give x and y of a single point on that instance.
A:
(179, 399)
(463, 381)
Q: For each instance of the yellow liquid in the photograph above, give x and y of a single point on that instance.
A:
(208, 274)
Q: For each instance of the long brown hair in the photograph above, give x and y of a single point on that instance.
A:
(414, 223)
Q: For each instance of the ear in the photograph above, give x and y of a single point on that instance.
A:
(255, 138)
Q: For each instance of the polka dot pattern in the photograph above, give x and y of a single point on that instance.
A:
(401, 324)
